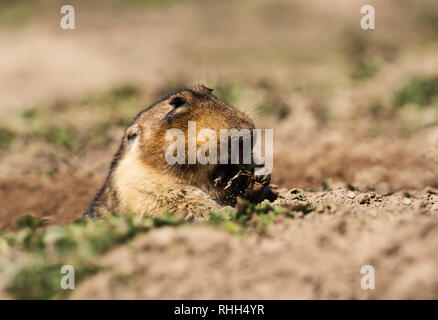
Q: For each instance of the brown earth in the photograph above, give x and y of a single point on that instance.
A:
(316, 257)
(60, 200)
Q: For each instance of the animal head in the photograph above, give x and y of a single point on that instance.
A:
(146, 135)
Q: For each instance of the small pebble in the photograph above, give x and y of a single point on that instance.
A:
(351, 195)
(407, 202)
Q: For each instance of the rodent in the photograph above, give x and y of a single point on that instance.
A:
(140, 181)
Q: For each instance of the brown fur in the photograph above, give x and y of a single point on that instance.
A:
(140, 181)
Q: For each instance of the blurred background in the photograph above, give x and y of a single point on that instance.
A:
(347, 105)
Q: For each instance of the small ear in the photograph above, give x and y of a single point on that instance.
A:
(209, 89)
(131, 133)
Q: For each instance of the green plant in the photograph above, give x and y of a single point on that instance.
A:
(421, 91)
(275, 107)
(6, 138)
(61, 136)
(232, 93)
(31, 222)
(76, 244)
(366, 68)
(14, 13)
(42, 281)
(255, 217)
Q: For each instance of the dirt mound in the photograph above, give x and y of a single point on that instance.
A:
(313, 257)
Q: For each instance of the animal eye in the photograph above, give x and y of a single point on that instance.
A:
(178, 102)
(132, 133)
(131, 136)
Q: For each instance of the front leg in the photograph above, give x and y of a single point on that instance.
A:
(190, 203)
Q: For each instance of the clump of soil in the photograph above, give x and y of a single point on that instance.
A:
(242, 182)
